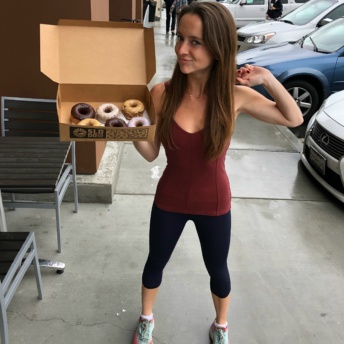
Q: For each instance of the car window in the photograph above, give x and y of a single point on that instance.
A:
(255, 2)
(336, 13)
(300, 1)
(308, 11)
(329, 38)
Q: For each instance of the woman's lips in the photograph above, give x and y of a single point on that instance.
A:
(181, 60)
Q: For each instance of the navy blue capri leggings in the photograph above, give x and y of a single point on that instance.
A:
(214, 233)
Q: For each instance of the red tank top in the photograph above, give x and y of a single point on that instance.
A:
(190, 184)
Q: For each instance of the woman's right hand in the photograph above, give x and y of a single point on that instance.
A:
(150, 150)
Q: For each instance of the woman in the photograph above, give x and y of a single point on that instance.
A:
(196, 111)
(178, 5)
(275, 9)
(170, 17)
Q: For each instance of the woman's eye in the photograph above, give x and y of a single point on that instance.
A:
(194, 42)
(179, 37)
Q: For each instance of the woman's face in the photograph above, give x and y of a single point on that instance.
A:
(192, 54)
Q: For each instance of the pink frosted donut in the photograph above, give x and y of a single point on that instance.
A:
(139, 122)
(106, 111)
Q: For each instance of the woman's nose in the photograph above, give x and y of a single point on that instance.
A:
(182, 47)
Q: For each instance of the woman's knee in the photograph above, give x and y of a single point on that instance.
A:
(220, 287)
(152, 272)
(220, 282)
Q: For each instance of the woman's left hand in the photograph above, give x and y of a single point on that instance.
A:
(249, 75)
(282, 110)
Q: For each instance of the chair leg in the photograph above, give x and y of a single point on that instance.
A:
(3, 226)
(75, 185)
(3, 319)
(13, 199)
(36, 268)
(76, 201)
(58, 222)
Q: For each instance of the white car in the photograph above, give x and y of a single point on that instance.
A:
(292, 26)
(248, 11)
(323, 150)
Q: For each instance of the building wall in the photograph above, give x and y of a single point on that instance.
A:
(20, 74)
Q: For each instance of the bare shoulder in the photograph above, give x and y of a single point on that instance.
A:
(160, 87)
(240, 94)
(158, 95)
(243, 97)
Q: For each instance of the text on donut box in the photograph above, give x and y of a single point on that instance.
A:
(114, 134)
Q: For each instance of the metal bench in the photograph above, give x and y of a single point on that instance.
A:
(17, 252)
(38, 164)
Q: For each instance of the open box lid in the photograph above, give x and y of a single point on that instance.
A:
(91, 52)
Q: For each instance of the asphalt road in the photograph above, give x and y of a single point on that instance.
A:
(300, 130)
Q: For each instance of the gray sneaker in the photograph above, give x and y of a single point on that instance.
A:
(144, 332)
(218, 335)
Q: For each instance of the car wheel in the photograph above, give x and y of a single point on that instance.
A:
(305, 95)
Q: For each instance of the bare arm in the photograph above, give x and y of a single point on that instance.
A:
(283, 110)
(150, 150)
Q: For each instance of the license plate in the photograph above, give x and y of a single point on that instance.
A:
(318, 160)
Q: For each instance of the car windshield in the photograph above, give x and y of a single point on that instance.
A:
(327, 39)
(231, 1)
(307, 12)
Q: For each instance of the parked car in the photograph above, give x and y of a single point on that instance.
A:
(323, 150)
(310, 69)
(248, 11)
(292, 26)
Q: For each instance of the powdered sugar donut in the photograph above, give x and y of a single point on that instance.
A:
(106, 111)
(139, 122)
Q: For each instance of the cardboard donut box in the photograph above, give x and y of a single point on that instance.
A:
(96, 63)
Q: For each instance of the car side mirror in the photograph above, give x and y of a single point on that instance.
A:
(243, 2)
(324, 21)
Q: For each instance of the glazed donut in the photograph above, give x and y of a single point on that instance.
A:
(132, 108)
(139, 122)
(115, 122)
(90, 122)
(81, 111)
(106, 111)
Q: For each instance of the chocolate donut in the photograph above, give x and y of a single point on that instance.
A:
(115, 122)
(138, 122)
(81, 111)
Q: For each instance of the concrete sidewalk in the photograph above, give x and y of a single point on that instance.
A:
(286, 258)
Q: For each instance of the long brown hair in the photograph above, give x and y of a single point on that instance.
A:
(219, 35)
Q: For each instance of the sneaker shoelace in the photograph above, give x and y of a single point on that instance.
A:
(144, 330)
(220, 336)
